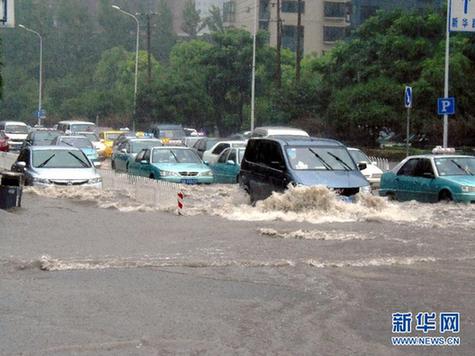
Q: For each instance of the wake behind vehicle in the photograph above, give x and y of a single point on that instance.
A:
(271, 164)
(16, 132)
(56, 166)
(82, 143)
(127, 151)
(171, 164)
(431, 178)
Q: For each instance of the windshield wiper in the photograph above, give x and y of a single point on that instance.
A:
(343, 163)
(84, 164)
(466, 170)
(327, 166)
(69, 144)
(46, 162)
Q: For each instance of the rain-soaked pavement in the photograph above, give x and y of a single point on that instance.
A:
(300, 274)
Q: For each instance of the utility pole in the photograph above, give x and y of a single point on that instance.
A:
(148, 17)
(298, 55)
(278, 73)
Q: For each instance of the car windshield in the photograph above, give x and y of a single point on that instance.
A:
(174, 156)
(320, 158)
(79, 142)
(359, 156)
(44, 137)
(455, 166)
(174, 134)
(138, 146)
(16, 129)
(60, 159)
(210, 143)
(91, 136)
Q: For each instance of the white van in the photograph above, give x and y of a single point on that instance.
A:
(16, 131)
(72, 126)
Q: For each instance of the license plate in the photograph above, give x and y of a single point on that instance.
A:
(189, 181)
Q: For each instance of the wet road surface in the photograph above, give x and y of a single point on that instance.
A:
(230, 279)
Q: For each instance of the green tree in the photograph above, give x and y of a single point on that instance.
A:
(192, 23)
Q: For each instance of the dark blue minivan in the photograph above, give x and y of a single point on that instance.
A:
(271, 164)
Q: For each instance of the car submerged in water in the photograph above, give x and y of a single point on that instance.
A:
(271, 164)
(171, 164)
(48, 166)
(431, 178)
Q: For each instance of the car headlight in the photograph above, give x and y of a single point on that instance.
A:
(169, 174)
(41, 180)
(366, 189)
(468, 189)
(95, 180)
(206, 174)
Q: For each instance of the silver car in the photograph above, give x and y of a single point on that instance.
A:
(56, 166)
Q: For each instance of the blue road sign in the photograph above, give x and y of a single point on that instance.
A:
(41, 114)
(446, 106)
(408, 97)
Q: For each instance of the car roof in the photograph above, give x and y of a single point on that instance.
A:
(138, 139)
(59, 148)
(168, 126)
(71, 136)
(301, 141)
(439, 156)
(174, 147)
(13, 122)
(76, 122)
(270, 129)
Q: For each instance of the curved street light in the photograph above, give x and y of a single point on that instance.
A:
(40, 91)
(136, 60)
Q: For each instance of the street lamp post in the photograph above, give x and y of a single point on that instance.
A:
(136, 60)
(40, 90)
(253, 83)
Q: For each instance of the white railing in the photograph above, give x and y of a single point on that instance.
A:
(7, 159)
(154, 193)
(382, 163)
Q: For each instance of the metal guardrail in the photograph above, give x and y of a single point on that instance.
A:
(153, 193)
(382, 163)
(7, 159)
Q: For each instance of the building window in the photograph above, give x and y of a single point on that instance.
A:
(264, 9)
(333, 34)
(335, 9)
(367, 11)
(293, 6)
(229, 11)
(289, 37)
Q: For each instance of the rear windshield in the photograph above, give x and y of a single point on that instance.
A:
(60, 159)
(111, 136)
(138, 146)
(41, 138)
(79, 142)
(173, 134)
(91, 136)
(16, 129)
(82, 127)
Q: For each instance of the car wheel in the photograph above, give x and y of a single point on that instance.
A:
(152, 176)
(391, 196)
(445, 196)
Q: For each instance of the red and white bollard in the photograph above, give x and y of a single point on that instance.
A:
(180, 196)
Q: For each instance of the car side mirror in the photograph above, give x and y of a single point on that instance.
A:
(206, 162)
(362, 166)
(231, 162)
(21, 165)
(428, 175)
(123, 150)
(144, 161)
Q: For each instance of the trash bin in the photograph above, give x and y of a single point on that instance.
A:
(11, 188)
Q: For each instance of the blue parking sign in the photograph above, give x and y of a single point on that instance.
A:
(446, 106)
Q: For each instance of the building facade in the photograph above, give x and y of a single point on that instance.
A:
(324, 22)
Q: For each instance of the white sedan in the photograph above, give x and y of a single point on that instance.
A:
(372, 172)
(211, 155)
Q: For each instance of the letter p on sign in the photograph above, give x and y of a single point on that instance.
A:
(446, 106)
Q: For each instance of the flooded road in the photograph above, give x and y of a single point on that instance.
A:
(301, 273)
